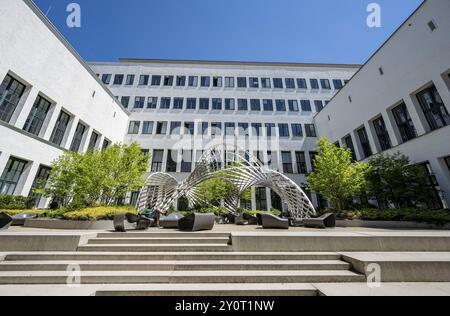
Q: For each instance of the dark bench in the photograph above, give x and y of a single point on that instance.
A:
(142, 222)
(19, 219)
(246, 219)
(170, 221)
(196, 222)
(272, 221)
(5, 221)
(325, 221)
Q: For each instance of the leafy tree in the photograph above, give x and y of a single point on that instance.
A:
(335, 176)
(96, 177)
(215, 190)
(393, 180)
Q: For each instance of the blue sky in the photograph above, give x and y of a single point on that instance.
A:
(310, 31)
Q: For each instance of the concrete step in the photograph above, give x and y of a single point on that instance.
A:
(237, 289)
(175, 265)
(130, 256)
(218, 276)
(162, 233)
(165, 240)
(157, 247)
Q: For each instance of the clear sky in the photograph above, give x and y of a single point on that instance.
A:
(310, 31)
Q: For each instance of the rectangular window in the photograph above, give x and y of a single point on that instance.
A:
(203, 127)
(254, 82)
(283, 129)
(229, 82)
(364, 141)
(293, 105)
(204, 104)
(242, 105)
(143, 80)
(130, 80)
(134, 126)
(78, 137)
(261, 199)
(301, 83)
(256, 129)
(306, 105)
(287, 162)
(106, 78)
(310, 130)
(205, 81)
(156, 80)
(39, 182)
(168, 81)
(11, 91)
(139, 102)
(186, 161)
(272, 160)
(337, 83)
(118, 79)
(161, 128)
(278, 83)
(230, 104)
(433, 107)
(230, 129)
(189, 128)
(37, 116)
(157, 160)
(60, 128)
(290, 83)
(404, 122)
(11, 175)
(193, 81)
(325, 83)
(152, 103)
(217, 82)
(216, 129)
(314, 84)
(382, 133)
(125, 101)
(147, 128)
(175, 128)
(281, 105)
(93, 141)
(268, 105)
(318, 105)
(301, 162)
(348, 143)
(181, 81)
(297, 130)
(106, 144)
(178, 103)
(217, 104)
(255, 105)
(265, 83)
(270, 129)
(243, 129)
(191, 104)
(165, 103)
(242, 82)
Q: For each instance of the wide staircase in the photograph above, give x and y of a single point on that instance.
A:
(158, 263)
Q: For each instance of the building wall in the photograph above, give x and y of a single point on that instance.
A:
(33, 53)
(223, 69)
(414, 58)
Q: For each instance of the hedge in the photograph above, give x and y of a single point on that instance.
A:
(97, 213)
(11, 202)
(439, 217)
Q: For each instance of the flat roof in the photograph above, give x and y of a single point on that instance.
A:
(235, 63)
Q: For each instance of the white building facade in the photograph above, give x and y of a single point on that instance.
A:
(50, 100)
(400, 99)
(181, 108)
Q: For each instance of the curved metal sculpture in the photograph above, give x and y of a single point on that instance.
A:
(243, 173)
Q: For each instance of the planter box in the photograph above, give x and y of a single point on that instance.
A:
(389, 224)
(72, 225)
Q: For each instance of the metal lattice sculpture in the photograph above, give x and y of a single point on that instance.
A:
(162, 190)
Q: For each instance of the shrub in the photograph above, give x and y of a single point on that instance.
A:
(438, 217)
(97, 213)
(15, 212)
(11, 202)
(254, 212)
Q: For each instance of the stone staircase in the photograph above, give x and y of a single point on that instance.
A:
(174, 263)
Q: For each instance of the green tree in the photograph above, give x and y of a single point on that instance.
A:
(393, 179)
(335, 176)
(96, 177)
(213, 191)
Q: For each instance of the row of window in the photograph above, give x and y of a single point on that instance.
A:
(433, 109)
(12, 91)
(291, 162)
(219, 82)
(229, 104)
(221, 129)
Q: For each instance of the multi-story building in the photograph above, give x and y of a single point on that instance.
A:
(180, 108)
(399, 101)
(50, 100)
